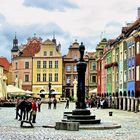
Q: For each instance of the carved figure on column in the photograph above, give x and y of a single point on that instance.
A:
(81, 49)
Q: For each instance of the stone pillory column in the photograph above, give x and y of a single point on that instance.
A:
(80, 113)
(81, 69)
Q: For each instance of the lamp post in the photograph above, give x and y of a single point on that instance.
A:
(50, 84)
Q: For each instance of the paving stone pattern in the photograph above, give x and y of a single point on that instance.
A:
(10, 128)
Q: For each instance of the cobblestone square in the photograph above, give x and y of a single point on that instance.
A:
(10, 128)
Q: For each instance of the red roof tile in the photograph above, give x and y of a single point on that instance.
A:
(32, 47)
(5, 63)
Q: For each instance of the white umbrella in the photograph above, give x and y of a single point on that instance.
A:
(15, 90)
(55, 92)
(93, 91)
(43, 92)
(28, 92)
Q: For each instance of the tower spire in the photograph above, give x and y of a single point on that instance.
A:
(54, 40)
(15, 44)
(53, 35)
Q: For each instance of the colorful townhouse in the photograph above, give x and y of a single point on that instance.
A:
(22, 62)
(47, 69)
(99, 52)
(122, 61)
(36, 64)
(92, 71)
(70, 70)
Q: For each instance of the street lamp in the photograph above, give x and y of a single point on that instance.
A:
(50, 84)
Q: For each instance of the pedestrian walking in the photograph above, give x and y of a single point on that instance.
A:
(28, 108)
(18, 100)
(54, 103)
(39, 105)
(98, 102)
(22, 107)
(34, 110)
(49, 103)
(67, 103)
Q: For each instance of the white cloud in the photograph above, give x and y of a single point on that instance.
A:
(87, 22)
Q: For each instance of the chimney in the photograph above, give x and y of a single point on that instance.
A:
(138, 12)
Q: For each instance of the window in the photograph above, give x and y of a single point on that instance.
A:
(117, 77)
(75, 68)
(133, 50)
(38, 77)
(93, 79)
(138, 47)
(101, 53)
(56, 77)
(44, 77)
(44, 64)
(26, 65)
(68, 68)
(125, 54)
(133, 74)
(38, 64)
(129, 52)
(16, 65)
(45, 53)
(129, 74)
(120, 55)
(137, 73)
(93, 66)
(56, 64)
(121, 76)
(125, 76)
(26, 78)
(50, 64)
(51, 53)
(50, 77)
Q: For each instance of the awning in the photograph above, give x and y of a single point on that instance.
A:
(15, 90)
(93, 91)
(44, 92)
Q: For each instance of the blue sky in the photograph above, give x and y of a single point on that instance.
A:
(88, 21)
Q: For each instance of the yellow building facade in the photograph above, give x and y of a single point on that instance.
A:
(47, 68)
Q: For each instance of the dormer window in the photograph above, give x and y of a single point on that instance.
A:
(51, 53)
(75, 57)
(45, 53)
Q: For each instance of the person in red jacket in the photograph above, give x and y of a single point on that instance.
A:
(34, 110)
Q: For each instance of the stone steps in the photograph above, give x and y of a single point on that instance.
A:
(90, 121)
(81, 117)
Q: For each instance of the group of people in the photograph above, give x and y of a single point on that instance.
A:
(96, 101)
(26, 107)
(52, 101)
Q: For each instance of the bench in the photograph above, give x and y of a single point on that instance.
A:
(27, 121)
